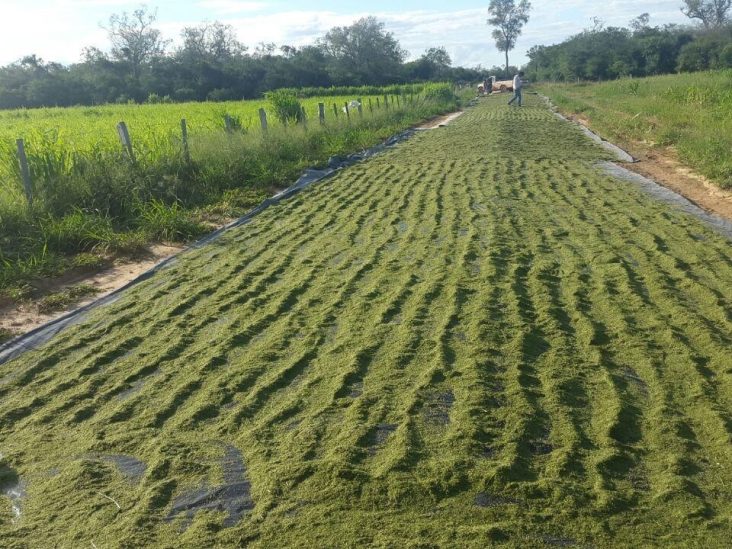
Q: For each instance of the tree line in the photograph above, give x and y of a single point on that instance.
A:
(212, 64)
(640, 49)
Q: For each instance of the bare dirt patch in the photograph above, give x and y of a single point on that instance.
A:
(663, 166)
(17, 318)
(665, 169)
(439, 121)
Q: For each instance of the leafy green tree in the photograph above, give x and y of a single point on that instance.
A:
(508, 18)
(209, 42)
(713, 14)
(438, 57)
(706, 52)
(434, 64)
(640, 23)
(363, 53)
(135, 41)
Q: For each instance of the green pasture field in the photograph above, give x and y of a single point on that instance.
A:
(155, 128)
(691, 113)
(59, 137)
(475, 338)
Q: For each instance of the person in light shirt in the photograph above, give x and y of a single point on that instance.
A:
(518, 83)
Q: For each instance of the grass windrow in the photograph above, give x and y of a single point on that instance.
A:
(474, 338)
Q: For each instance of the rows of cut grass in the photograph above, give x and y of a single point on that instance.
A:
(474, 338)
(690, 114)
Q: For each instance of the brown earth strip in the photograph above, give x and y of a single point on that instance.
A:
(439, 121)
(17, 318)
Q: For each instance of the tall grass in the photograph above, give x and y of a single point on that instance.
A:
(90, 197)
(690, 113)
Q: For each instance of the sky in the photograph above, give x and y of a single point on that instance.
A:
(58, 30)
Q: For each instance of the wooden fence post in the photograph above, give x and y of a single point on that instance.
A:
(25, 171)
(348, 112)
(321, 113)
(335, 110)
(360, 107)
(184, 140)
(378, 103)
(124, 137)
(263, 120)
(386, 102)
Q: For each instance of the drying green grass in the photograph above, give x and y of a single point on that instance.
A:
(692, 113)
(57, 301)
(474, 338)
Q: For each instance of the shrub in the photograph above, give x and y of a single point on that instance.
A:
(155, 99)
(725, 58)
(77, 231)
(185, 94)
(286, 106)
(159, 220)
(439, 92)
(223, 94)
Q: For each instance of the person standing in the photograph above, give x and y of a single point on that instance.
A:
(518, 84)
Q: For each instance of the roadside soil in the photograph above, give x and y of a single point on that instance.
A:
(439, 121)
(662, 165)
(17, 318)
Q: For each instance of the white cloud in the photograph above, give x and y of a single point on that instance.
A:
(88, 3)
(231, 6)
(55, 33)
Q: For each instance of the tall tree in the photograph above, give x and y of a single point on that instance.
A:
(508, 18)
(433, 64)
(134, 39)
(640, 23)
(212, 42)
(439, 57)
(363, 53)
(712, 13)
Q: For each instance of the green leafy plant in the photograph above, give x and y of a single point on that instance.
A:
(286, 106)
(167, 222)
(439, 92)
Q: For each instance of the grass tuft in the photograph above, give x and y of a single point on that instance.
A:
(63, 299)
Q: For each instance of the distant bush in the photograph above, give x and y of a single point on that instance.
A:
(223, 94)
(725, 57)
(286, 106)
(709, 51)
(185, 94)
(439, 92)
(155, 99)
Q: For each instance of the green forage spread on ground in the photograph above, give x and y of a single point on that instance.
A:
(474, 338)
